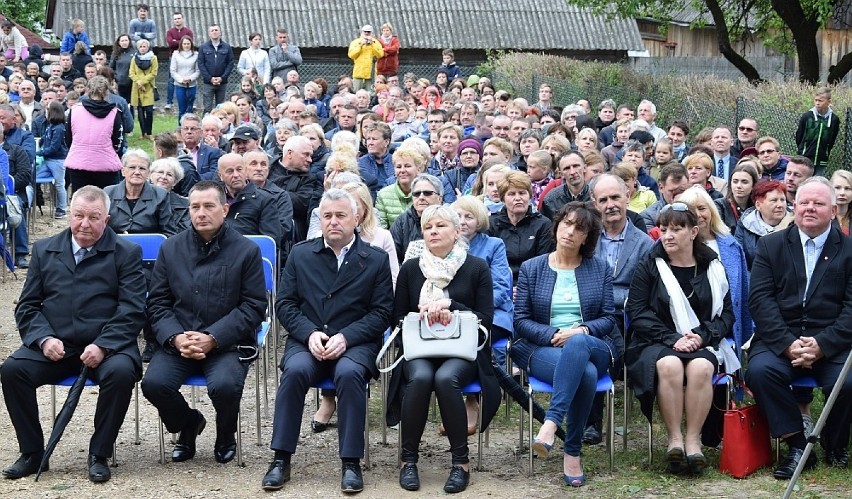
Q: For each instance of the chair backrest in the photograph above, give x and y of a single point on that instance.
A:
(269, 275)
(268, 248)
(150, 244)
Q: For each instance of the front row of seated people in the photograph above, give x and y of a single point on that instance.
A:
(336, 299)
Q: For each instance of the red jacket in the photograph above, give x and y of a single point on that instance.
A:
(389, 64)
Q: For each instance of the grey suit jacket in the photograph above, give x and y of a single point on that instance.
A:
(635, 246)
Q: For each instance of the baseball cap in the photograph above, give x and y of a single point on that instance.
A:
(367, 27)
(246, 132)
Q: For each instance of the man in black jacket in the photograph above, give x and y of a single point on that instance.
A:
(202, 325)
(335, 300)
(252, 211)
(291, 173)
(215, 62)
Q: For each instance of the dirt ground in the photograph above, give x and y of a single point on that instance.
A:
(316, 468)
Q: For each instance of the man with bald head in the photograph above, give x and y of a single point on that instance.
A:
(291, 172)
(251, 211)
(29, 107)
(257, 170)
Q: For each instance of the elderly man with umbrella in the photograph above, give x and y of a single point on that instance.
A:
(82, 307)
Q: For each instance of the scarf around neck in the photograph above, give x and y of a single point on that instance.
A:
(439, 272)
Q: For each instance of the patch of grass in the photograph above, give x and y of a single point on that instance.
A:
(162, 123)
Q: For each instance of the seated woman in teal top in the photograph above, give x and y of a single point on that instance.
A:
(565, 319)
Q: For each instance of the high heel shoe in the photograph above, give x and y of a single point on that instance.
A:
(575, 481)
(319, 427)
(540, 448)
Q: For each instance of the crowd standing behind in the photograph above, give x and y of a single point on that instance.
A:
(597, 242)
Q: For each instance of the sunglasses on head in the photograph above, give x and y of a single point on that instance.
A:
(675, 207)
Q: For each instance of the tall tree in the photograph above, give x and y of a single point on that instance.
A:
(789, 26)
(28, 13)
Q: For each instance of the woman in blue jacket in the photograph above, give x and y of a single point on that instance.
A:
(54, 151)
(565, 319)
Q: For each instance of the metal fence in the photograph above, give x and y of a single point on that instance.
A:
(698, 113)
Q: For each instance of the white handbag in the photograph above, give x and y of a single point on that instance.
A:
(420, 340)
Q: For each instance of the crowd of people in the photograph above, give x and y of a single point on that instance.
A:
(596, 239)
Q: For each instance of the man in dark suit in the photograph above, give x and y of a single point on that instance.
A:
(204, 156)
(335, 300)
(801, 290)
(83, 303)
(251, 211)
(201, 325)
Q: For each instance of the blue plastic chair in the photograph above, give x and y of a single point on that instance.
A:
(150, 244)
(67, 382)
(269, 251)
(800, 382)
(199, 380)
(605, 385)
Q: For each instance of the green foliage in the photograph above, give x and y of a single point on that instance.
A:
(29, 13)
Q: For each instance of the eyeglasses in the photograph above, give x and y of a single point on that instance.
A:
(767, 151)
(745, 129)
(675, 207)
(421, 194)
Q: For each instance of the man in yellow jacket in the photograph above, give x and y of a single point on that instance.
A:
(363, 51)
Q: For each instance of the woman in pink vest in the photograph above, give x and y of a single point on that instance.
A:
(95, 138)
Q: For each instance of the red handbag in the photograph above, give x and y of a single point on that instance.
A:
(745, 441)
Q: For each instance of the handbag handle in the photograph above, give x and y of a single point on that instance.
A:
(384, 350)
(485, 341)
(449, 333)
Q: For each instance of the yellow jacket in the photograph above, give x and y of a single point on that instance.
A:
(144, 96)
(641, 199)
(363, 57)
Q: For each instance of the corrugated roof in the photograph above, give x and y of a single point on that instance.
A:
(426, 24)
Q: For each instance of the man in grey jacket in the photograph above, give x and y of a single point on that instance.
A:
(284, 56)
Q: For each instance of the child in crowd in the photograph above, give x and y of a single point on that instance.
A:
(54, 151)
(663, 155)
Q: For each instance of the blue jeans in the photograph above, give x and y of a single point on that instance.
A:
(185, 99)
(573, 370)
(56, 168)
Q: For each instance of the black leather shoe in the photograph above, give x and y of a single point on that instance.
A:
(351, 480)
(409, 479)
(276, 476)
(592, 435)
(838, 458)
(457, 481)
(785, 470)
(225, 453)
(318, 427)
(98, 469)
(26, 465)
(185, 447)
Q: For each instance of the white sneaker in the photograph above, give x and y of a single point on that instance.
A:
(167, 106)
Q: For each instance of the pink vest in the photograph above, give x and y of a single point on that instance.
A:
(91, 147)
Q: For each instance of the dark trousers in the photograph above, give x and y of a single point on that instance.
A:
(225, 374)
(82, 178)
(769, 378)
(446, 377)
(213, 95)
(146, 119)
(20, 378)
(125, 91)
(300, 372)
(170, 89)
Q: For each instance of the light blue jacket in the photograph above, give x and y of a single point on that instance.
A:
(733, 259)
(493, 251)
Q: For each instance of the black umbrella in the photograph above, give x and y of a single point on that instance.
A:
(517, 392)
(63, 418)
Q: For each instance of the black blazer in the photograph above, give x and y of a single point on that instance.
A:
(355, 301)
(151, 214)
(777, 287)
(101, 300)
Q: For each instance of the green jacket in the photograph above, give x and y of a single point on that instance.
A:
(390, 203)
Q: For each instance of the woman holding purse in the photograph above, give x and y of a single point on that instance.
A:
(442, 280)
(565, 319)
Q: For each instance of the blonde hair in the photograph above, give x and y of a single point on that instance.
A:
(411, 153)
(476, 207)
(342, 162)
(697, 194)
(368, 222)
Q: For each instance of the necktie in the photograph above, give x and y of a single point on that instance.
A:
(810, 260)
(80, 254)
(720, 169)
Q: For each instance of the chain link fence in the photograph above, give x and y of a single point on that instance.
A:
(698, 113)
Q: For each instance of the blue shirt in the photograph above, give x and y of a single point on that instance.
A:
(612, 246)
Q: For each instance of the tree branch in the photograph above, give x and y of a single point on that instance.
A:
(727, 51)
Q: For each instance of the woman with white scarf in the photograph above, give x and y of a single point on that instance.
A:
(678, 306)
(443, 279)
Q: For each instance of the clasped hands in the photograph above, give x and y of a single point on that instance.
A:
(437, 311)
(54, 349)
(561, 336)
(325, 347)
(194, 344)
(804, 352)
(689, 342)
